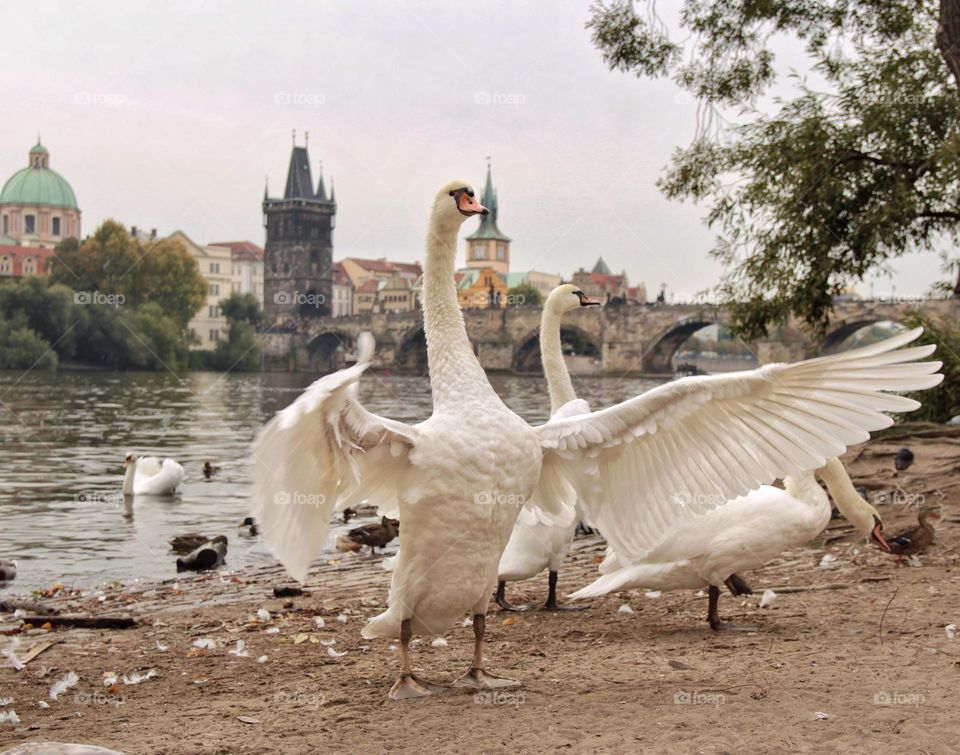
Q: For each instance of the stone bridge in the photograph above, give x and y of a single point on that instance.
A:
(637, 339)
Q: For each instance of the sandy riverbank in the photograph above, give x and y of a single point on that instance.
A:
(856, 660)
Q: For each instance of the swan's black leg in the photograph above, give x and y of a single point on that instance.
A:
(713, 615)
(502, 601)
(737, 585)
(551, 604)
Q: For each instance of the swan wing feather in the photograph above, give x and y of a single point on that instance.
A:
(665, 457)
(322, 451)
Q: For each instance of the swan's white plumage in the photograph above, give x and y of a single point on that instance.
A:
(322, 448)
(688, 446)
(740, 536)
(155, 477)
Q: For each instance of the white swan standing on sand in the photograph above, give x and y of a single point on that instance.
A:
(149, 476)
(535, 544)
(744, 534)
(458, 479)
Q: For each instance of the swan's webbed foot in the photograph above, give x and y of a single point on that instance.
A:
(722, 626)
(409, 686)
(477, 678)
(713, 615)
(552, 605)
(502, 601)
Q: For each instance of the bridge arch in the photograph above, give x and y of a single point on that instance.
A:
(658, 358)
(329, 350)
(834, 340)
(412, 352)
(573, 340)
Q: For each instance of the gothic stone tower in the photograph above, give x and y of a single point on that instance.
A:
(297, 280)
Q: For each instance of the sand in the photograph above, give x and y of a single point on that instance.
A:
(857, 660)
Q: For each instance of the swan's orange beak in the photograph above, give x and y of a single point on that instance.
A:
(586, 301)
(876, 534)
(468, 205)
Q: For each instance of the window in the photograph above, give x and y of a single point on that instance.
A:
(214, 334)
(29, 266)
(501, 251)
(215, 289)
(5, 265)
(56, 226)
(479, 253)
(213, 311)
(214, 267)
(6, 224)
(29, 223)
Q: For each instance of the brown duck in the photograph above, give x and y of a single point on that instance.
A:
(184, 544)
(375, 535)
(915, 540)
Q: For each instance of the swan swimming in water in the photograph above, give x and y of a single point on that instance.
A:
(459, 479)
(149, 476)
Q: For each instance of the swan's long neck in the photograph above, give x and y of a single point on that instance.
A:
(128, 478)
(551, 354)
(455, 372)
(854, 509)
(804, 487)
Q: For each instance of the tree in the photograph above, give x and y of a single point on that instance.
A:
(830, 185)
(241, 351)
(112, 263)
(22, 348)
(523, 294)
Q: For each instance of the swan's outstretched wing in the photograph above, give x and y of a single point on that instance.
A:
(313, 455)
(693, 444)
(561, 485)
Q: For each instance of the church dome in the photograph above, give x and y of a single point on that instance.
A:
(37, 184)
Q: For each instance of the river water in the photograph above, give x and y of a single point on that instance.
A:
(63, 437)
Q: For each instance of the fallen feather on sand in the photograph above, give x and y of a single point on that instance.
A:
(60, 686)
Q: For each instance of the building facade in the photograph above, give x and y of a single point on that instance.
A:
(208, 327)
(246, 267)
(606, 287)
(298, 255)
(37, 205)
(342, 304)
(21, 261)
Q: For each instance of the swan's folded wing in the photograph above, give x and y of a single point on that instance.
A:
(680, 449)
(311, 456)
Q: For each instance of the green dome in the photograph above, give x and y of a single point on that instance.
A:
(40, 186)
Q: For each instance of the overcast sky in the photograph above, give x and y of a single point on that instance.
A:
(170, 115)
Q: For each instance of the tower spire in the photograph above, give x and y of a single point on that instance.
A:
(294, 137)
(321, 191)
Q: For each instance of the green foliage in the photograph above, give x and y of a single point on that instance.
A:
(22, 348)
(943, 402)
(523, 294)
(242, 308)
(825, 187)
(241, 351)
(112, 263)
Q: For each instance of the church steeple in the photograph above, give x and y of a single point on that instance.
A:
(488, 246)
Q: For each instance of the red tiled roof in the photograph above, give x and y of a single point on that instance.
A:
(369, 287)
(20, 253)
(386, 266)
(242, 250)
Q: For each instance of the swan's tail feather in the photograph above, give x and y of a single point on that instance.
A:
(629, 577)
